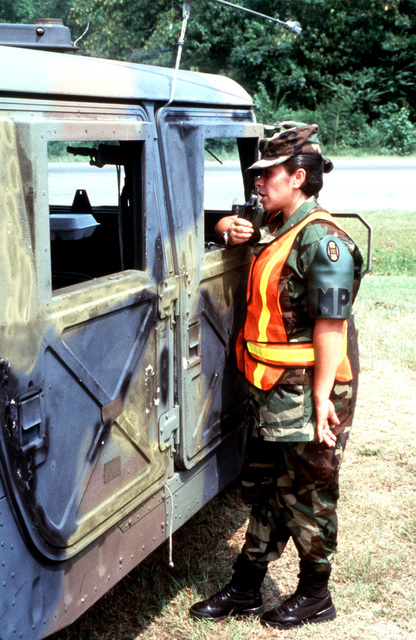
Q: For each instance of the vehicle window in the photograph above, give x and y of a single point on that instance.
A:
(223, 180)
(96, 210)
(226, 185)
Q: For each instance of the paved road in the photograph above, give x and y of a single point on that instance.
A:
(354, 185)
(371, 184)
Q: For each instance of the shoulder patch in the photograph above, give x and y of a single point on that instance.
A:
(332, 251)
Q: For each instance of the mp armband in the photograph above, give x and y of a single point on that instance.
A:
(330, 280)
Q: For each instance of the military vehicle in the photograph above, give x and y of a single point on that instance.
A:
(120, 408)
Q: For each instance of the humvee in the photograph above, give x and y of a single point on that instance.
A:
(120, 408)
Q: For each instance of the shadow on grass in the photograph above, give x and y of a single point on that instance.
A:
(203, 559)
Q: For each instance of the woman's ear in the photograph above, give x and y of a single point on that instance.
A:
(299, 177)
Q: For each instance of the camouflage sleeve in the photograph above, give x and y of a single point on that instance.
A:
(330, 280)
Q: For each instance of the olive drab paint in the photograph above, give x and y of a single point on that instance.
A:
(120, 409)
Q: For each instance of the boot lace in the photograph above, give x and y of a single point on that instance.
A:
(292, 602)
(225, 593)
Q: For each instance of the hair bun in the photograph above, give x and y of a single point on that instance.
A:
(328, 165)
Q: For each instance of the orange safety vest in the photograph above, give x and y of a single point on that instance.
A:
(263, 350)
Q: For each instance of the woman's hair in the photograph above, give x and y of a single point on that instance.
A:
(315, 166)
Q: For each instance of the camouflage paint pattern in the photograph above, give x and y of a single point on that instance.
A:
(20, 309)
(115, 427)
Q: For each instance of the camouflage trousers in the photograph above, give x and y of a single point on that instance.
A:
(293, 488)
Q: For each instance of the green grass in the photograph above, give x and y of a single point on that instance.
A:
(374, 576)
(386, 315)
(393, 244)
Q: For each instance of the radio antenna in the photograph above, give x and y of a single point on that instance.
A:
(293, 26)
(290, 24)
(86, 28)
(186, 12)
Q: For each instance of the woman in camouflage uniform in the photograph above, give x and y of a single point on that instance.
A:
(292, 349)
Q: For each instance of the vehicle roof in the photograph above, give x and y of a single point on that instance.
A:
(58, 74)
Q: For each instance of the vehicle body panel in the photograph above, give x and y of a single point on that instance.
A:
(87, 78)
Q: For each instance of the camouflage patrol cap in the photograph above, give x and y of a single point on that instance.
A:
(290, 139)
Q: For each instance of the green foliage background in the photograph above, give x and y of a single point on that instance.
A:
(352, 69)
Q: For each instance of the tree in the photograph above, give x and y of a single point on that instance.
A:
(353, 66)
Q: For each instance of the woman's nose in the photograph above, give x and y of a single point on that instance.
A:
(258, 182)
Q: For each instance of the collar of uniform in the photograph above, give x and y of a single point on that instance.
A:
(300, 213)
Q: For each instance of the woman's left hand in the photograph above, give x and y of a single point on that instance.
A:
(325, 414)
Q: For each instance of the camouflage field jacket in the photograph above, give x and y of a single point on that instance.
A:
(286, 412)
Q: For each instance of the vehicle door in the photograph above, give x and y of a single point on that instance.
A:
(205, 154)
(84, 350)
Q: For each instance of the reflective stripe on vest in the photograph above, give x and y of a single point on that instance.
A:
(294, 354)
(263, 351)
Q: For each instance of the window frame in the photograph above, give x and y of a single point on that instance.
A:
(67, 129)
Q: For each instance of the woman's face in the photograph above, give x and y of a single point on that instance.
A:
(276, 188)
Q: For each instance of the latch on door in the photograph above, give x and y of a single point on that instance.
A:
(31, 424)
(168, 296)
(194, 344)
(168, 428)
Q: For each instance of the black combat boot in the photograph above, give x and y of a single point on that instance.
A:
(241, 597)
(310, 603)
